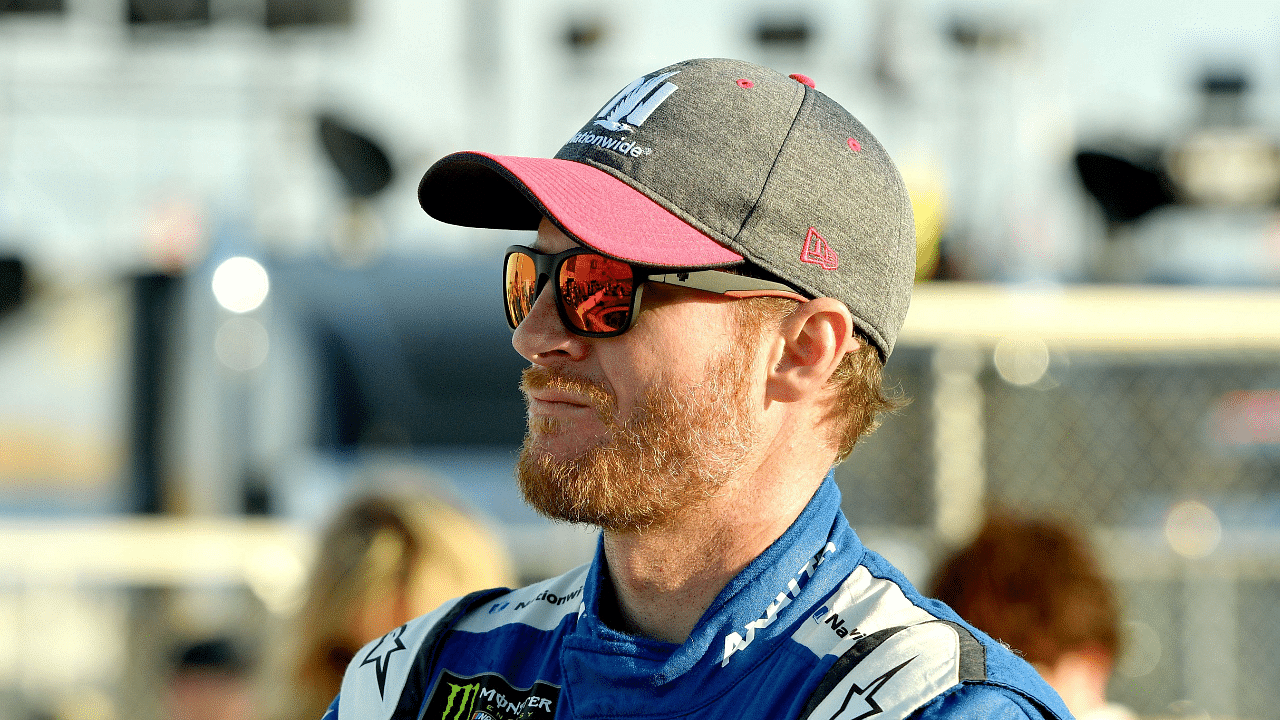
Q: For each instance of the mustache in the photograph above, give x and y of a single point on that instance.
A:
(536, 377)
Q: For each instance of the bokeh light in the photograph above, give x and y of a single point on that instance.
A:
(1193, 529)
(240, 284)
(1142, 650)
(241, 343)
(1023, 360)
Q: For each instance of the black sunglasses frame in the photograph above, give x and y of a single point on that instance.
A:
(547, 267)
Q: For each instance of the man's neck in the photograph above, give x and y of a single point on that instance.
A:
(665, 579)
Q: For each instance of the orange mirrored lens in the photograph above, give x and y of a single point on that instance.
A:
(596, 292)
(521, 287)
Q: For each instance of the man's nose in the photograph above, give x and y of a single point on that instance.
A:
(542, 338)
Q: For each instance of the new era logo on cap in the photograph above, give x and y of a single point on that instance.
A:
(816, 251)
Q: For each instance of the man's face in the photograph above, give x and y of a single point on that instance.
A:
(626, 431)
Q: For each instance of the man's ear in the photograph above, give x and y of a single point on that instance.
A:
(815, 338)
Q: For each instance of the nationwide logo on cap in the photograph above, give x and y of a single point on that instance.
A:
(635, 103)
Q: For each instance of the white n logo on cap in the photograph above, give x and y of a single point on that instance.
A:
(635, 103)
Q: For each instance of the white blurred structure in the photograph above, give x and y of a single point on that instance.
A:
(125, 145)
(130, 147)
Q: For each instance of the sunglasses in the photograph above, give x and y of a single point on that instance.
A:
(598, 296)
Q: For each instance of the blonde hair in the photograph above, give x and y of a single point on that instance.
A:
(382, 561)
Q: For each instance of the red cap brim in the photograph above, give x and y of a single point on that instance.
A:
(592, 206)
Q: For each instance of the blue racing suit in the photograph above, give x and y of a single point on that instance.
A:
(817, 627)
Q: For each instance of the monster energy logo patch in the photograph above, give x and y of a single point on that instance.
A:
(489, 697)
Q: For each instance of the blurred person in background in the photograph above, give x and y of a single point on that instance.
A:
(211, 679)
(722, 261)
(382, 560)
(1035, 585)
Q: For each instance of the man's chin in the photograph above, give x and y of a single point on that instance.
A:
(559, 447)
(549, 485)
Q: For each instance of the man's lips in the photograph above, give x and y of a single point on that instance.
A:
(549, 392)
(553, 400)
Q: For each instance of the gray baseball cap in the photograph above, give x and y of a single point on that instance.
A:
(712, 163)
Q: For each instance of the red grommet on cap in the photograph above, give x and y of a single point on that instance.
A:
(803, 80)
(745, 83)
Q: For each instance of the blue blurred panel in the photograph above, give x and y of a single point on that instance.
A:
(413, 352)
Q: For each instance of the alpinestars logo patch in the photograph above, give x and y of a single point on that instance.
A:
(635, 103)
(380, 656)
(489, 697)
(860, 702)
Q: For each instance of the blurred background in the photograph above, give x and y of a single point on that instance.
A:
(223, 316)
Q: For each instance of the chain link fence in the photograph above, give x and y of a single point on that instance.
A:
(1167, 452)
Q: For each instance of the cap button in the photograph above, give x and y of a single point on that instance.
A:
(803, 80)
